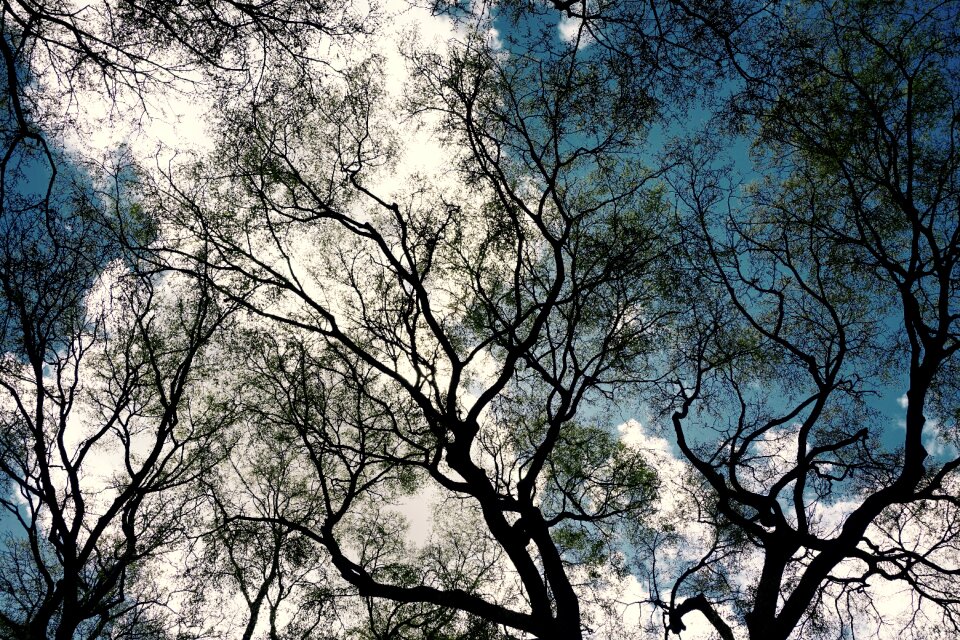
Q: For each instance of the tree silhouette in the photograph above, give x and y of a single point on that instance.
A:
(834, 281)
(279, 349)
(447, 342)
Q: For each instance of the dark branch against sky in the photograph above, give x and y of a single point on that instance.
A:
(445, 264)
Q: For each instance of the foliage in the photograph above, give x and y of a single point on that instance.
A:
(298, 387)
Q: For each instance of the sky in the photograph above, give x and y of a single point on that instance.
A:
(176, 126)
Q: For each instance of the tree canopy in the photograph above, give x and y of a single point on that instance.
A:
(480, 320)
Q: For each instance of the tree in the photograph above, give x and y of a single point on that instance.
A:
(107, 425)
(53, 53)
(470, 337)
(449, 342)
(833, 281)
(103, 421)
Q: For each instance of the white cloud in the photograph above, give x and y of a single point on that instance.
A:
(569, 29)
